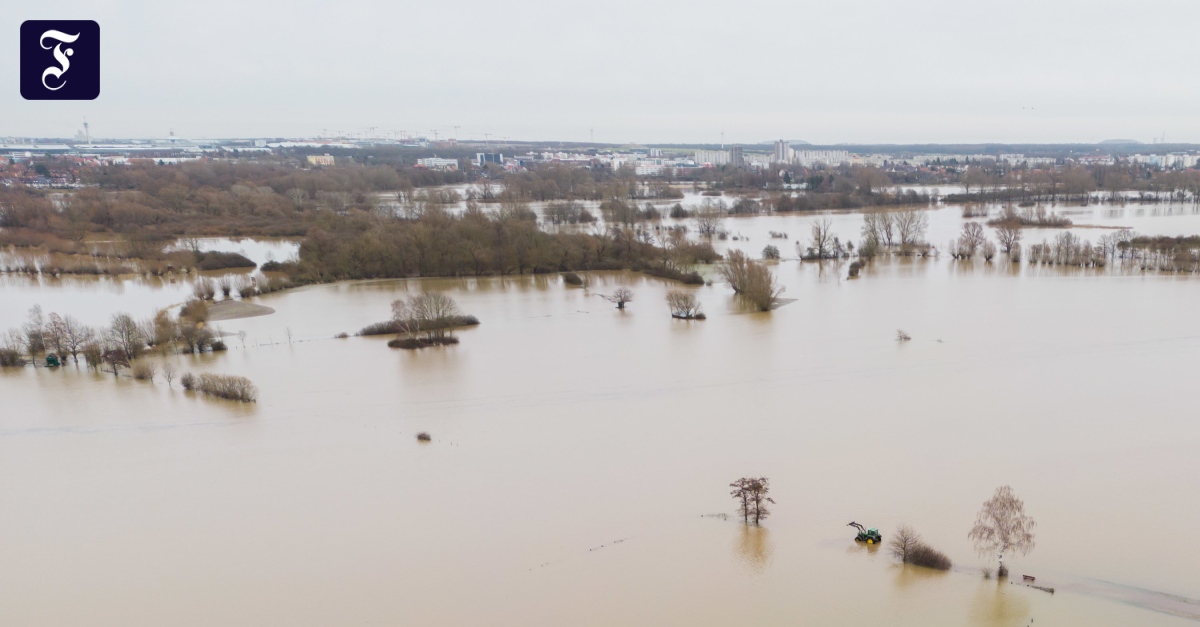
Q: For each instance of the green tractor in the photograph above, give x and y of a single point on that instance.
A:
(870, 536)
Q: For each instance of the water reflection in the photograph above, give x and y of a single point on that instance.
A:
(753, 547)
(997, 603)
(909, 576)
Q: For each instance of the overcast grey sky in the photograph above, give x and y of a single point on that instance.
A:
(634, 70)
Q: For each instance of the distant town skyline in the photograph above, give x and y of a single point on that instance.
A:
(928, 71)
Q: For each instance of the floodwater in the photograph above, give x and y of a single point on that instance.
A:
(581, 455)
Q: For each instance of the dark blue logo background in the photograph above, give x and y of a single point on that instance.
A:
(60, 60)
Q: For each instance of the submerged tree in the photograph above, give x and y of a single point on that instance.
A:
(751, 494)
(684, 305)
(751, 279)
(907, 546)
(620, 296)
(429, 315)
(1002, 526)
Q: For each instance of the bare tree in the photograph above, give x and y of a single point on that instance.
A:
(821, 243)
(684, 305)
(751, 494)
(1009, 234)
(908, 547)
(168, 371)
(878, 226)
(911, 225)
(707, 217)
(988, 249)
(430, 313)
(903, 543)
(35, 332)
(127, 336)
(76, 336)
(1002, 526)
(972, 237)
(620, 296)
(56, 335)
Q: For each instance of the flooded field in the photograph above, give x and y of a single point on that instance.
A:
(581, 455)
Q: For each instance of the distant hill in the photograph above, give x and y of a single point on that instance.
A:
(1117, 142)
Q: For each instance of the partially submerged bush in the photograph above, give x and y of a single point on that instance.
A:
(907, 546)
(751, 279)
(421, 342)
(770, 252)
(217, 260)
(195, 310)
(424, 437)
(684, 305)
(901, 336)
(204, 289)
(188, 381)
(10, 357)
(393, 326)
(219, 345)
(226, 386)
(144, 371)
(570, 278)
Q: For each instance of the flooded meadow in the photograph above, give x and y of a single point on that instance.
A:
(580, 457)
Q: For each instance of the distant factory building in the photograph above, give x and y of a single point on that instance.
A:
(435, 163)
(322, 160)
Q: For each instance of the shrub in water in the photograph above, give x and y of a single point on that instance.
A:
(226, 386)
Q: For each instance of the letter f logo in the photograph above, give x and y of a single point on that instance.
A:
(60, 60)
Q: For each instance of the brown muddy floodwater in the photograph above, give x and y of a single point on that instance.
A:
(580, 455)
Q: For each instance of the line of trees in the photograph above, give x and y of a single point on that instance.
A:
(111, 347)
(479, 243)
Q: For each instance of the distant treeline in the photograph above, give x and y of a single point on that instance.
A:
(481, 243)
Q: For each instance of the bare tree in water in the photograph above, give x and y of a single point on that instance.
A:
(621, 296)
(751, 494)
(1002, 526)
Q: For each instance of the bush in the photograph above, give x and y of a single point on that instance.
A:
(188, 381)
(687, 278)
(341, 336)
(204, 289)
(684, 305)
(246, 287)
(216, 260)
(423, 342)
(278, 266)
(770, 252)
(424, 437)
(195, 310)
(144, 371)
(929, 557)
(218, 345)
(752, 280)
(227, 386)
(10, 357)
(570, 278)
(908, 547)
(392, 326)
(855, 267)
